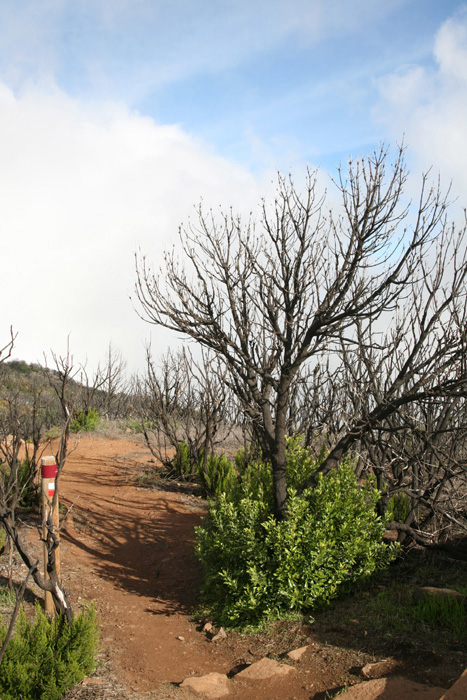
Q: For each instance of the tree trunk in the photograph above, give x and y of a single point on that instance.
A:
(278, 456)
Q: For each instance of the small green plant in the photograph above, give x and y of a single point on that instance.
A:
(54, 432)
(7, 599)
(241, 460)
(136, 426)
(438, 611)
(27, 490)
(217, 476)
(3, 537)
(182, 463)
(399, 506)
(45, 658)
(85, 420)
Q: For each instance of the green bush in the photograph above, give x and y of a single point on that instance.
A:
(47, 657)
(256, 568)
(85, 420)
(241, 460)
(182, 461)
(27, 489)
(217, 476)
(3, 536)
(399, 506)
(136, 426)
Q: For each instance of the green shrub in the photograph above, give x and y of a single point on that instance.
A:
(241, 460)
(399, 506)
(136, 426)
(183, 460)
(27, 489)
(256, 568)
(47, 657)
(217, 476)
(3, 537)
(85, 420)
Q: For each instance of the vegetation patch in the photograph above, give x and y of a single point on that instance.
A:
(256, 567)
(45, 658)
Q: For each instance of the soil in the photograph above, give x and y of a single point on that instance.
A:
(131, 550)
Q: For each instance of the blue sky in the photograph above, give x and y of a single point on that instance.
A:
(117, 116)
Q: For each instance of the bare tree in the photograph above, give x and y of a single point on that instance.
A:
(184, 401)
(272, 297)
(8, 348)
(20, 422)
(111, 400)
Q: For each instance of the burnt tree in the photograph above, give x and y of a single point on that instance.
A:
(271, 297)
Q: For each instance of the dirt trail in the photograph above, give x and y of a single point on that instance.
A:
(131, 551)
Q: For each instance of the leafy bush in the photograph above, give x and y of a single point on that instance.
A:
(46, 658)
(85, 420)
(256, 568)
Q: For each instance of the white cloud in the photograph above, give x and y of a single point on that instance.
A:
(82, 187)
(429, 104)
(451, 48)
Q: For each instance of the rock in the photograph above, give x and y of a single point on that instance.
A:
(429, 591)
(211, 686)
(459, 690)
(220, 635)
(379, 669)
(180, 638)
(296, 654)
(264, 669)
(392, 689)
(207, 627)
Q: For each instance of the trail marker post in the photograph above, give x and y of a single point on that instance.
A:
(49, 475)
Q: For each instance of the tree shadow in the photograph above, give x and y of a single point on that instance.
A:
(144, 546)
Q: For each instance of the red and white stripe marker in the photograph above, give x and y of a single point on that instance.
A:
(49, 475)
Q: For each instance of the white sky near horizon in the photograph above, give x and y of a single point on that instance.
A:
(118, 116)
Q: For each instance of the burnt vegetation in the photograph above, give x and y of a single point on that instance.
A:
(345, 326)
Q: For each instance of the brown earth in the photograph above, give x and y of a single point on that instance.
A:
(130, 550)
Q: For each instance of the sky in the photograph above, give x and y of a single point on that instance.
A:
(117, 117)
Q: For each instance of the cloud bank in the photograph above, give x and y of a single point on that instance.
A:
(82, 188)
(429, 106)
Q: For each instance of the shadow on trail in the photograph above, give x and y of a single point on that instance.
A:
(140, 541)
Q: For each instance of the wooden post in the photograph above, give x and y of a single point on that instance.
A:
(49, 473)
